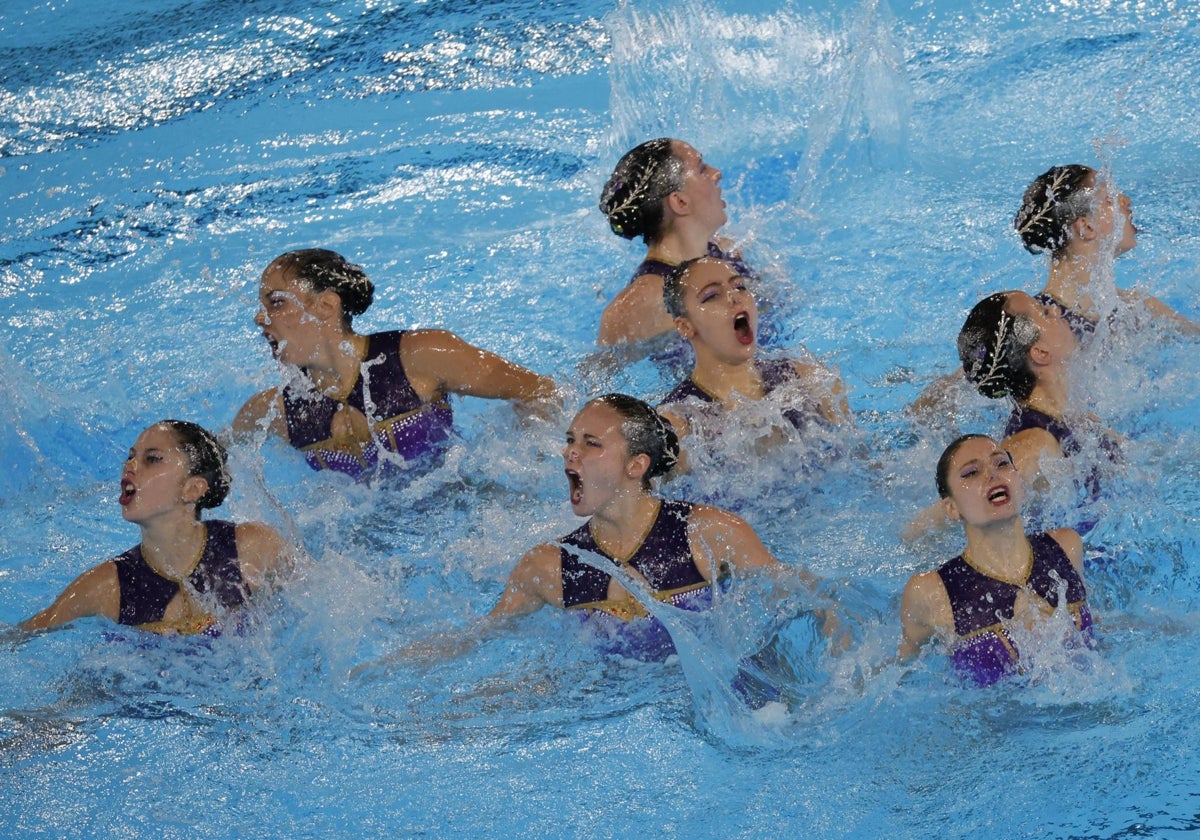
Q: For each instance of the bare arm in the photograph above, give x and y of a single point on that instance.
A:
(828, 390)
(265, 406)
(263, 554)
(925, 611)
(438, 362)
(718, 538)
(1027, 449)
(95, 592)
(535, 582)
(932, 518)
(944, 395)
(636, 314)
(1161, 312)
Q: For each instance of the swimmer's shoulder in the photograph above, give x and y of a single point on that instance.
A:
(95, 592)
(1071, 543)
(262, 552)
(263, 411)
(535, 581)
(637, 313)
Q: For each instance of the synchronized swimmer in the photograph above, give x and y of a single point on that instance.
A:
(359, 403)
(714, 310)
(186, 575)
(356, 400)
(1003, 579)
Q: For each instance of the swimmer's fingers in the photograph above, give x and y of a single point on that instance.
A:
(13, 636)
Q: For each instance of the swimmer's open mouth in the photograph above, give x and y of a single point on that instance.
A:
(274, 345)
(741, 326)
(127, 492)
(576, 486)
(998, 494)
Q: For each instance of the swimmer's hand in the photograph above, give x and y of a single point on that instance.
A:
(546, 405)
(13, 635)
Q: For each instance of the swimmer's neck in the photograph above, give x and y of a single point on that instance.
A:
(722, 379)
(622, 525)
(172, 546)
(338, 364)
(684, 241)
(1072, 280)
(1000, 550)
(1051, 395)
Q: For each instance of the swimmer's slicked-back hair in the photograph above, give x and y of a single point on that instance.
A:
(942, 476)
(673, 287)
(206, 458)
(646, 432)
(320, 269)
(1051, 204)
(994, 345)
(632, 199)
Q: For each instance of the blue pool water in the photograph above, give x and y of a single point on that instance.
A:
(156, 155)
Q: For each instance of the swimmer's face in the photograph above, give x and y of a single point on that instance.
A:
(1055, 341)
(701, 186)
(1110, 217)
(720, 312)
(156, 480)
(596, 459)
(984, 484)
(287, 315)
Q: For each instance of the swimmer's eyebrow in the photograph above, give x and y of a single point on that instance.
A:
(715, 285)
(980, 461)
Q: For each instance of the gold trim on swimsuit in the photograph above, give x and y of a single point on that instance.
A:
(354, 446)
(999, 631)
(628, 609)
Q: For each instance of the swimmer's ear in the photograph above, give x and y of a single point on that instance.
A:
(1038, 354)
(327, 305)
(637, 465)
(1082, 228)
(194, 489)
(951, 509)
(679, 203)
(684, 327)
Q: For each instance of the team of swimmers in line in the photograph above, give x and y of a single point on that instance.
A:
(359, 404)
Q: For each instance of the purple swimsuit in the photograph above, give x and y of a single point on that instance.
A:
(664, 559)
(1081, 326)
(661, 269)
(984, 652)
(145, 594)
(400, 422)
(774, 373)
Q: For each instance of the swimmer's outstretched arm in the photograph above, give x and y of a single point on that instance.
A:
(458, 367)
(535, 582)
(719, 538)
(824, 382)
(1161, 311)
(942, 396)
(95, 592)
